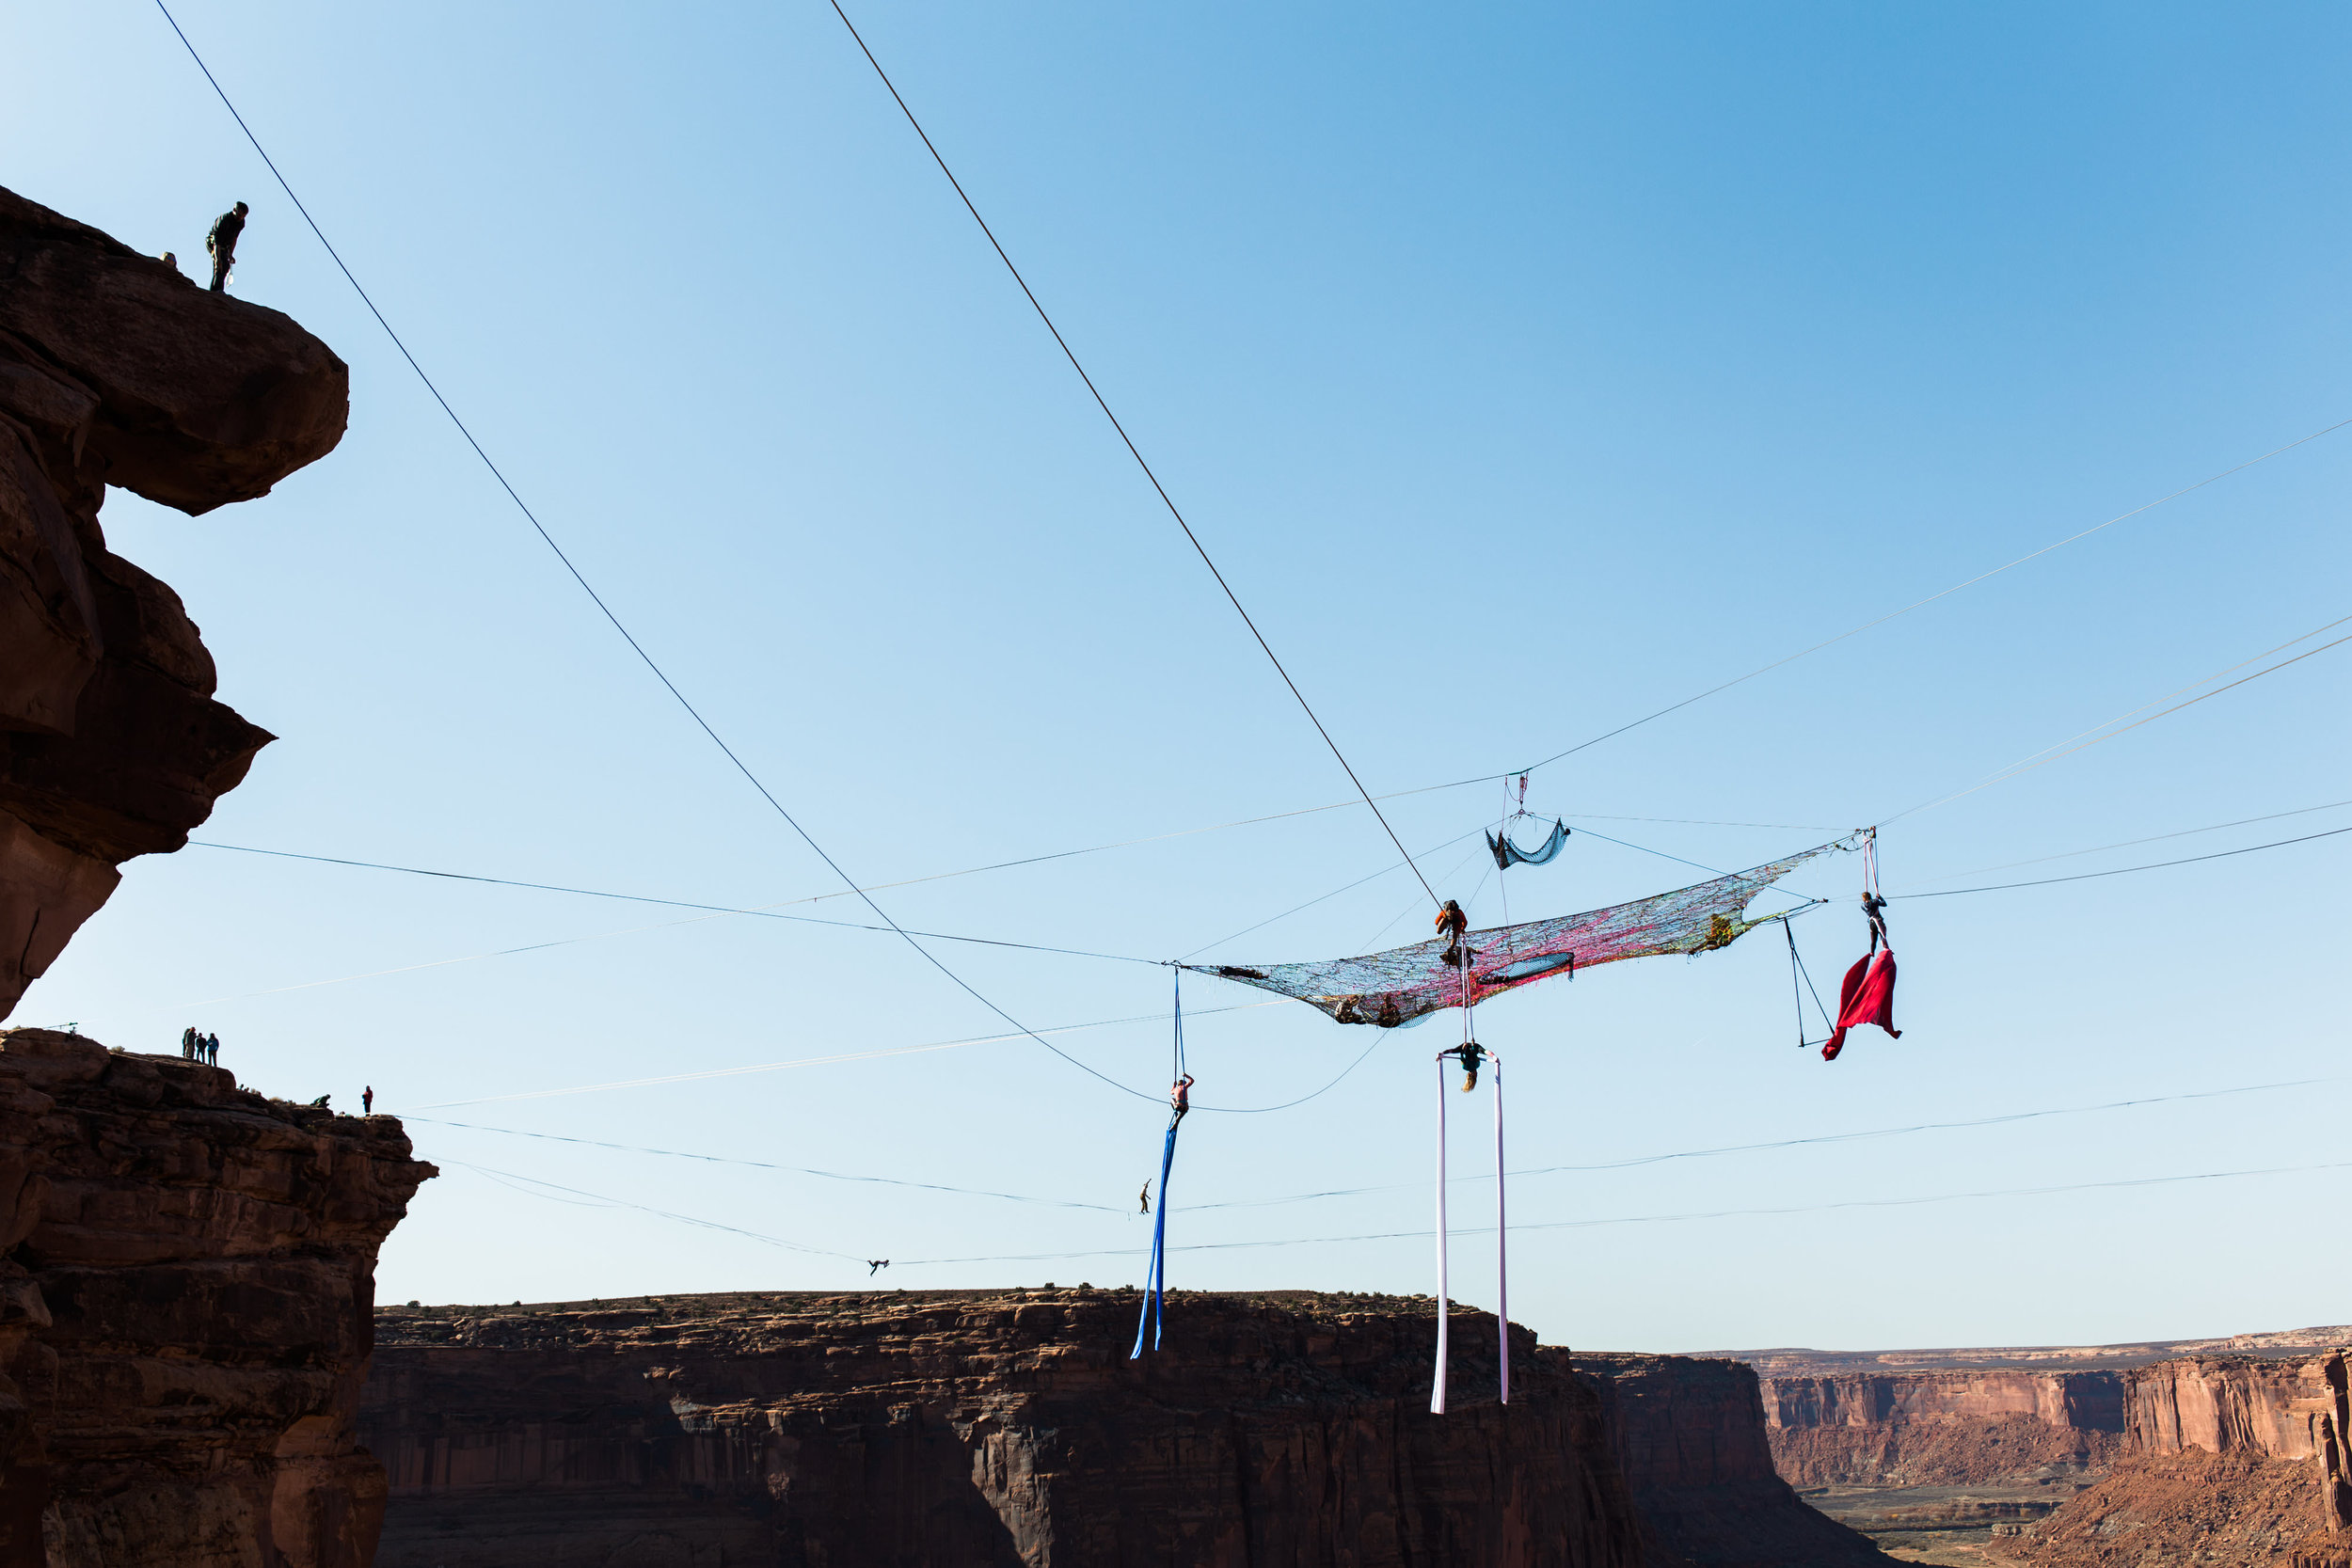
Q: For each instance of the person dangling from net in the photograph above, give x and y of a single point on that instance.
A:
(1451, 923)
(1866, 996)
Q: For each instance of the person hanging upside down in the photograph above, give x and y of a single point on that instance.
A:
(1180, 1097)
(1472, 1053)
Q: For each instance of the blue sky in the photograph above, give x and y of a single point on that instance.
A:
(1526, 372)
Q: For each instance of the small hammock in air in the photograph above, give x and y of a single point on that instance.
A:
(1395, 988)
(1508, 854)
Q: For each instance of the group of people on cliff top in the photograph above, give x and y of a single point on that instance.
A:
(200, 1047)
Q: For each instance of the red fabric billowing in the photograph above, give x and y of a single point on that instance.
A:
(1866, 996)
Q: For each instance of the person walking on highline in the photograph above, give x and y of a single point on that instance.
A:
(222, 243)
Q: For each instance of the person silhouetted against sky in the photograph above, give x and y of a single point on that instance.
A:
(366, 1100)
(222, 243)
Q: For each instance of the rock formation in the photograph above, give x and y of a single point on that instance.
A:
(1942, 1428)
(186, 1312)
(2234, 1454)
(953, 1431)
(1688, 1435)
(2227, 1455)
(116, 370)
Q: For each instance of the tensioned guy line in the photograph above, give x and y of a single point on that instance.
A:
(627, 636)
(1128, 441)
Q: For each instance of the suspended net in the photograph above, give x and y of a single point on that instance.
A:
(1406, 983)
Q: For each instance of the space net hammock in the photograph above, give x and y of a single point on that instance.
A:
(1403, 984)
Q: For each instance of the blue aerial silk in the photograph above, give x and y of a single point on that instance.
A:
(1157, 1277)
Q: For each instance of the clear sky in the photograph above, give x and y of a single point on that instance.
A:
(1527, 369)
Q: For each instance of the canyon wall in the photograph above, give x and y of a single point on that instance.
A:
(116, 370)
(2235, 1458)
(1688, 1435)
(886, 1430)
(186, 1312)
(1942, 1428)
(937, 1430)
(2230, 1405)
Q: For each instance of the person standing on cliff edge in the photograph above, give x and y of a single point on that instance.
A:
(222, 243)
(366, 1100)
(187, 1043)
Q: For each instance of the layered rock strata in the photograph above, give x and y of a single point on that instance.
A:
(1688, 1435)
(116, 370)
(2235, 1456)
(185, 1313)
(1954, 1428)
(949, 1430)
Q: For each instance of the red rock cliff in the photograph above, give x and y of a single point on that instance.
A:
(186, 1312)
(2227, 1458)
(948, 1430)
(1941, 1428)
(115, 369)
(1688, 1433)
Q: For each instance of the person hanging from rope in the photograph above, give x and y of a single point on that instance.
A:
(222, 243)
(1179, 1100)
(1866, 996)
(875, 1266)
(1472, 1053)
(1451, 923)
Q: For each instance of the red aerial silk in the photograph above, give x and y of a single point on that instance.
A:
(1868, 996)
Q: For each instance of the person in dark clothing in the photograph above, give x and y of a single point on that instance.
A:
(187, 1043)
(212, 1050)
(222, 243)
(875, 1266)
(366, 1100)
(1472, 1053)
